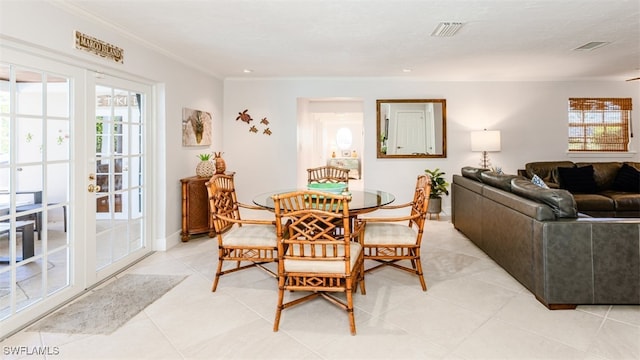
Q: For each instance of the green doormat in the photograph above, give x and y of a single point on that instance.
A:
(106, 309)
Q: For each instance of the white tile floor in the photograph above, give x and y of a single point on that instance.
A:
(472, 310)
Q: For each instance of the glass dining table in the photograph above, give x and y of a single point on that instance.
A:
(362, 201)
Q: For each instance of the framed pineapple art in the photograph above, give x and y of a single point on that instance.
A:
(196, 127)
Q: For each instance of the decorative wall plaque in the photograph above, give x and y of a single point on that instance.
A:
(98, 47)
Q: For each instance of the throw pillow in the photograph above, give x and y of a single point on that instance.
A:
(627, 179)
(578, 180)
(538, 181)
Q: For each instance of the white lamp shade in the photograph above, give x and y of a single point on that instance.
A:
(485, 140)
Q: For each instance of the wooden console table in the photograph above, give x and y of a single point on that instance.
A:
(347, 163)
(195, 207)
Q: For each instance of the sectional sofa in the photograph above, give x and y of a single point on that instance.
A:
(565, 258)
(601, 189)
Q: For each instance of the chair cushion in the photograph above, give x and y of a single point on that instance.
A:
(251, 235)
(324, 266)
(387, 233)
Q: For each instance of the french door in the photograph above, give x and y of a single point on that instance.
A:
(116, 174)
(73, 190)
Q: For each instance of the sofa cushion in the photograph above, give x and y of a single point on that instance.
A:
(537, 180)
(626, 204)
(594, 202)
(560, 201)
(472, 172)
(578, 180)
(627, 179)
(635, 165)
(501, 181)
(547, 170)
(604, 173)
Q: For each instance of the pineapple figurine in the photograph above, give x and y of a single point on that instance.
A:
(205, 168)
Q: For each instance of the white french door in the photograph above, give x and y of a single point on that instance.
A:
(116, 176)
(38, 245)
(63, 133)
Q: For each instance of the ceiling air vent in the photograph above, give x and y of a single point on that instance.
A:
(447, 29)
(592, 45)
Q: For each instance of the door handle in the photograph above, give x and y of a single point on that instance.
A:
(93, 188)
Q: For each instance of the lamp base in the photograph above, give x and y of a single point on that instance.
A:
(485, 163)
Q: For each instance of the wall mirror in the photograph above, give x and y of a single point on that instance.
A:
(411, 128)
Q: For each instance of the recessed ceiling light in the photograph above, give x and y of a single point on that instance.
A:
(406, 70)
(592, 45)
(247, 71)
(448, 28)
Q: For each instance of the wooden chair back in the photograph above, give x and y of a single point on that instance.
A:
(317, 228)
(223, 201)
(420, 202)
(325, 174)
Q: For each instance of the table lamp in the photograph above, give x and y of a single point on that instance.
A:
(485, 141)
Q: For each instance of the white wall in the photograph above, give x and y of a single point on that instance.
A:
(43, 26)
(531, 115)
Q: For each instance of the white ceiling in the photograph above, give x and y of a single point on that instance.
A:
(500, 39)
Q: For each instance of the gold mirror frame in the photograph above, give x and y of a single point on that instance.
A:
(435, 127)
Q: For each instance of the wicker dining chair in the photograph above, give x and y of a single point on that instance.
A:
(325, 174)
(388, 240)
(313, 254)
(240, 240)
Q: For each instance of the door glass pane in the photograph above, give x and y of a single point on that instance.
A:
(57, 140)
(29, 99)
(29, 282)
(58, 276)
(4, 89)
(57, 96)
(5, 148)
(30, 139)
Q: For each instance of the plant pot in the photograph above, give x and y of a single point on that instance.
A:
(435, 206)
(205, 169)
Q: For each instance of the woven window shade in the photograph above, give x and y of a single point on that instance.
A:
(599, 124)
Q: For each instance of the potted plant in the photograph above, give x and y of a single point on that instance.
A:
(205, 167)
(439, 187)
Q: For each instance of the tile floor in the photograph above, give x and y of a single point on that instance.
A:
(472, 310)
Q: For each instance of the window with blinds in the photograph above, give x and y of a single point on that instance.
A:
(599, 124)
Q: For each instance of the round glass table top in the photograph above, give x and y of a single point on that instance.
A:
(361, 200)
